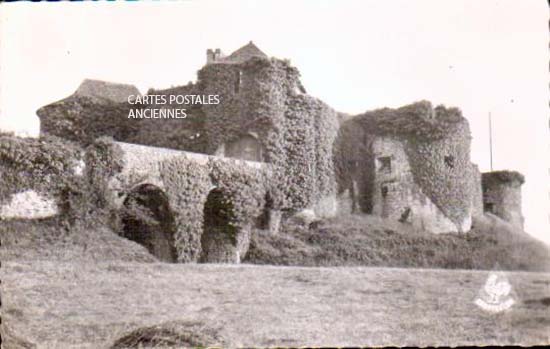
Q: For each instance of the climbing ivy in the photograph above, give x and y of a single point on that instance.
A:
(46, 165)
(437, 144)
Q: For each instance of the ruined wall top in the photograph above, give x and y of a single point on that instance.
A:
(504, 177)
(417, 121)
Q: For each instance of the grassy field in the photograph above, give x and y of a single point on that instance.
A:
(84, 305)
(89, 288)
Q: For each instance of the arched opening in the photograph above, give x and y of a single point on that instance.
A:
(245, 148)
(148, 220)
(219, 237)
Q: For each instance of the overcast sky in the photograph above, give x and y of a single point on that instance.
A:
(482, 56)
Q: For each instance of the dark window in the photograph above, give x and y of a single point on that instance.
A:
(384, 164)
(489, 207)
(384, 191)
(405, 215)
(450, 161)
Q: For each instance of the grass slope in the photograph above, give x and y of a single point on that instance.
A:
(113, 304)
(89, 288)
(47, 239)
(371, 241)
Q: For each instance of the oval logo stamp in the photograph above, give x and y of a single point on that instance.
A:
(495, 296)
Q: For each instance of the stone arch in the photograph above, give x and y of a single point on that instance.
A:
(219, 237)
(148, 220)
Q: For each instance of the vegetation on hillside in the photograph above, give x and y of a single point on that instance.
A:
(357, 240)
(371, 241)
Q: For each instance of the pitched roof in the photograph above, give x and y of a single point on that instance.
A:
(106, 90)
(245, 53)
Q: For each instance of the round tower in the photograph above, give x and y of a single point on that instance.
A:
(502, 195)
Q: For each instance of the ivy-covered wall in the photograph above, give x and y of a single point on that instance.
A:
(263, 97)
(47, 166)
(182, 134)
(502, 195)
(56, 177)
(436, 142)
(441, 168)
(395, 194)
(320, 161)
(260, 96)
(187, 179)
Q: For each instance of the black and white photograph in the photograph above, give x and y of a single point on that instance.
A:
(274, 174)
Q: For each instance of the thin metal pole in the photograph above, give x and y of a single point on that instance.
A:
(491, 140)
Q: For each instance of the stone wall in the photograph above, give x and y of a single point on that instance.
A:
(36, 174)
(396, 195)
(477, 194)
(316, 165)
(441, 168)
(295, 132)
(142, 164)
(258, 95)
(187, 179)
(29, 205)
(429, 152)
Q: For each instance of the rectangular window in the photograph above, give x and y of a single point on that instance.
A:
(238, 79)
(384, 164)
(450, 161)
(489, 207)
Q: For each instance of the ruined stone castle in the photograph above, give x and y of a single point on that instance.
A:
(269, 152)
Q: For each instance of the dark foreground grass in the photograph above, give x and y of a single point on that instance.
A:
(371, 241)
(174, 334)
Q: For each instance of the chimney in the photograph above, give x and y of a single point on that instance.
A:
(210, 58)
(213, 56)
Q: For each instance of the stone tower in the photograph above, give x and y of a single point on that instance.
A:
(502, 195)
(411, 164)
